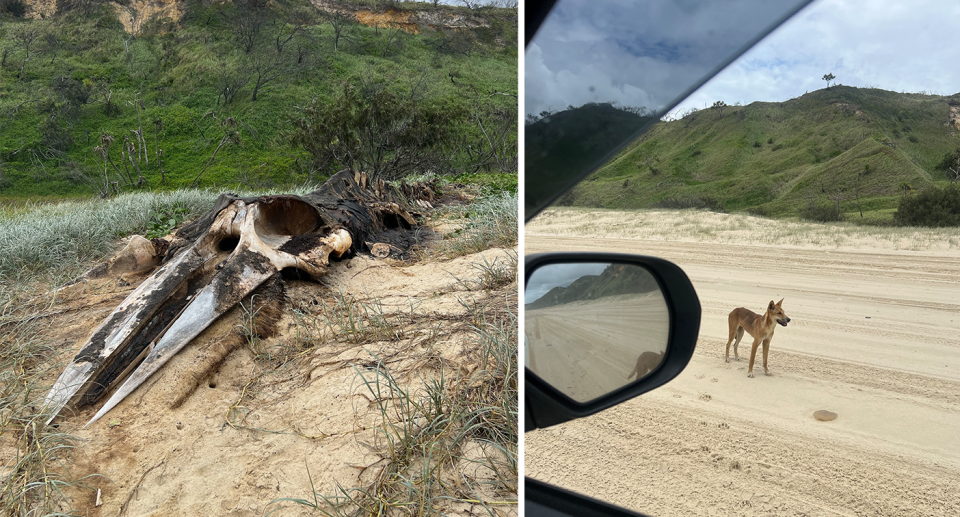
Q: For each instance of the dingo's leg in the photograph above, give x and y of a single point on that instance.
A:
(766, 348)
(733, 334)
(753, 355)
(736, 356)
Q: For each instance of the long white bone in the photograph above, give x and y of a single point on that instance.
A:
(238, 278)
(257, 256)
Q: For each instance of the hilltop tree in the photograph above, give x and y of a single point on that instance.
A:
(719, 105)
(828, 78)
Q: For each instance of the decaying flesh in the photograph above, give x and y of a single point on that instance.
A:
(220, 259)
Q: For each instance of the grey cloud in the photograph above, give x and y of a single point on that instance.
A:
(634, 53)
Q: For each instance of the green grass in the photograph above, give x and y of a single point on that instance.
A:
(174, 76)
(810, 149)
(490, 221)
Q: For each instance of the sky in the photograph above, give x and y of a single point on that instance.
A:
(902, 46)
(584, 54)
(558, 275)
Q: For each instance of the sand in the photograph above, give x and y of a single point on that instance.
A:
(589, 348)
(271, 423)
(874, 338)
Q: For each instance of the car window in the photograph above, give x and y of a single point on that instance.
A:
(814, 179)
(596, 76)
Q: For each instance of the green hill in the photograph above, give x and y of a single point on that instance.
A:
(833, 145)
(615, 279)
(84, 103)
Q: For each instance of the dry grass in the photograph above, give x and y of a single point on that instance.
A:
(33, 456)
(704, 226)
(445, 430)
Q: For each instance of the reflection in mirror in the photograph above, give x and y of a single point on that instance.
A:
(591, 328)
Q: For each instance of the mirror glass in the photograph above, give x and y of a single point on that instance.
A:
(593, 327)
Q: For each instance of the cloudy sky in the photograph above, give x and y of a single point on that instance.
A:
(557, 275)
(584, 54)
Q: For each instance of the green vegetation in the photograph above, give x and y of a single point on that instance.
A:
(933, 207)
(488, 222)
(220, 98)
(238, 95)
(842, 150)
(62, 239)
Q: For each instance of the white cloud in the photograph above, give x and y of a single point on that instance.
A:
(898, 46)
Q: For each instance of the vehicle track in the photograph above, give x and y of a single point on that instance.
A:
(875, 337)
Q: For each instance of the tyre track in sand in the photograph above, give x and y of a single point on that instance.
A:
(875, 337)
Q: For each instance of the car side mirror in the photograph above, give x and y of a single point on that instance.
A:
(600, 329)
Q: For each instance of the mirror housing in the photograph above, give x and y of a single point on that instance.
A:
(546, 406)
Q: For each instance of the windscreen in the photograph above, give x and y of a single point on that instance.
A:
(598, 75)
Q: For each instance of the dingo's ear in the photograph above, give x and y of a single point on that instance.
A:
(772, 305)
(780, 302)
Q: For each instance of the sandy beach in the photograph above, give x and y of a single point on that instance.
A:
(265, 426)
(874, 337)
(589, 348)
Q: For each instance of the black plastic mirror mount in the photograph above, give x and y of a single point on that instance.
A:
(542, 499)
(546, 406)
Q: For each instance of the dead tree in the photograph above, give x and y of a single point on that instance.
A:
(229, 82)
(27, 37)
(137, 104)
(220, 259)
(953, 173)
(270, 66)
(341, 24)
(230, 136)
(158, 127)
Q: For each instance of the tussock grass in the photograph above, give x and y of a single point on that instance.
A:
(61, 239)
(493, 275)
(67, 236)
(446, 431)
(701, 226)
(488, 222)
(33, 456)
(451, 440)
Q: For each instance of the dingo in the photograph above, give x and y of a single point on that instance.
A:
(760, 327)
(645, 364)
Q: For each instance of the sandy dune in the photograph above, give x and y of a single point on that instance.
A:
(874, 337)
(262, 427)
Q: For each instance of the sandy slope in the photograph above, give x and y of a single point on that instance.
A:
(261, 427)
(875, 337)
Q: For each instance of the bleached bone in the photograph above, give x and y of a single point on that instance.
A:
(247, 241)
